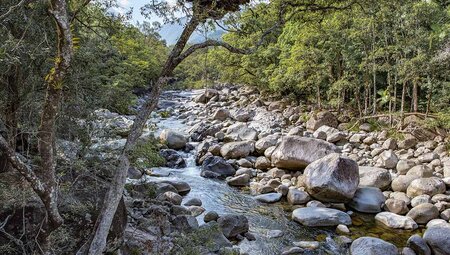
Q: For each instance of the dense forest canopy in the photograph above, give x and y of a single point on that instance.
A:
(63, 60)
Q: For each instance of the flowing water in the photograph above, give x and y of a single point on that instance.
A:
(217, 196)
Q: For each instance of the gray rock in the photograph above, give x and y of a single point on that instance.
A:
(423, 213)
(182, 187)
(421, 171)
(236, 150)
(262, 163)
(418, 245)
(387, 159)
(172, 139)
(233, 225)
(221, 114)
(264, 143)
(173, 159)
(216, 167)
(421, 199)
(372, 246)
(367, 200)
(214, 237)
(438, 240)
(210, 216)
(429, 186)
(293, 251)
(193, 201)
(240, 132)
(238, 181)
(393, 220)
(171, 197)
(396, 206)
(404, 165)
(295, 152)
(333, 178)
(274, 233)
(320, 119)
(269, 197)
(320, 217)
(374, 177)
(297, 197)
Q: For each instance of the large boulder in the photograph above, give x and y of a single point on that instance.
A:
(216, 167)
(295, 152)
(240, 132)
(173, 159)
(207, 95)
(393, 220)
(320, 217)
(368, 200)
(333, 178)
(233, 225)
(438, 239)
(172, 139)
(374, 177)
(221, 114)
(372, 246)
(429, 186)
(262, 144)
(320, 119)
(423, 213)
(236, 150)
(418, 245)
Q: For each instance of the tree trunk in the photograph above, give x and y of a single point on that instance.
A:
(319, 106)
(12, 107)
(415, 96)
(97, 244)
(43, 179)
(402, 105)
(430, 93)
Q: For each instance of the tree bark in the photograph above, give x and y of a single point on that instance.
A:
(415, 96)
(402, 105)
(97, 243)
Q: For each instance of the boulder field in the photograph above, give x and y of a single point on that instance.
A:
(316, 163)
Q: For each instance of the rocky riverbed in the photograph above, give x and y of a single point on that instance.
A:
(247, 174)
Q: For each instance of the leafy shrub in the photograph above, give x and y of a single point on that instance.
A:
(146, 154)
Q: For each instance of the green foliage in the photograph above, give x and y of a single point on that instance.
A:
(146, 155)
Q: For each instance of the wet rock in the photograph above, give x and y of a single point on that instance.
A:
(296, 152)
(320, 119)
(233, 225)
(238, 181)
(293, 251)
(310, 245)
(236, 150)
(418, 245)
(211, 216)
(216, 167)
(269, 197)
(333, 178)
(172, 139)
(429, 186)
(182, 187)
(171, 197)
(195, 210)
(393, 220)
(423, 213)
(367, 200)
(173, 159)
(372, 246)
(211, 234)
(274, 233)
(374, 177)
(297, 197)
(193, 201)
(320, 217)
(438, 239)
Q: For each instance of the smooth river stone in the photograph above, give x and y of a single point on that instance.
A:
(269, 197)
(320, 217)
(393, 220)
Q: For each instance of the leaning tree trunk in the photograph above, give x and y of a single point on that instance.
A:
(97, 243)
(402, 104)
(415, 96)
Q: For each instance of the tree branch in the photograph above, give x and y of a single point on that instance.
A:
(209, 43)
(12, 8)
